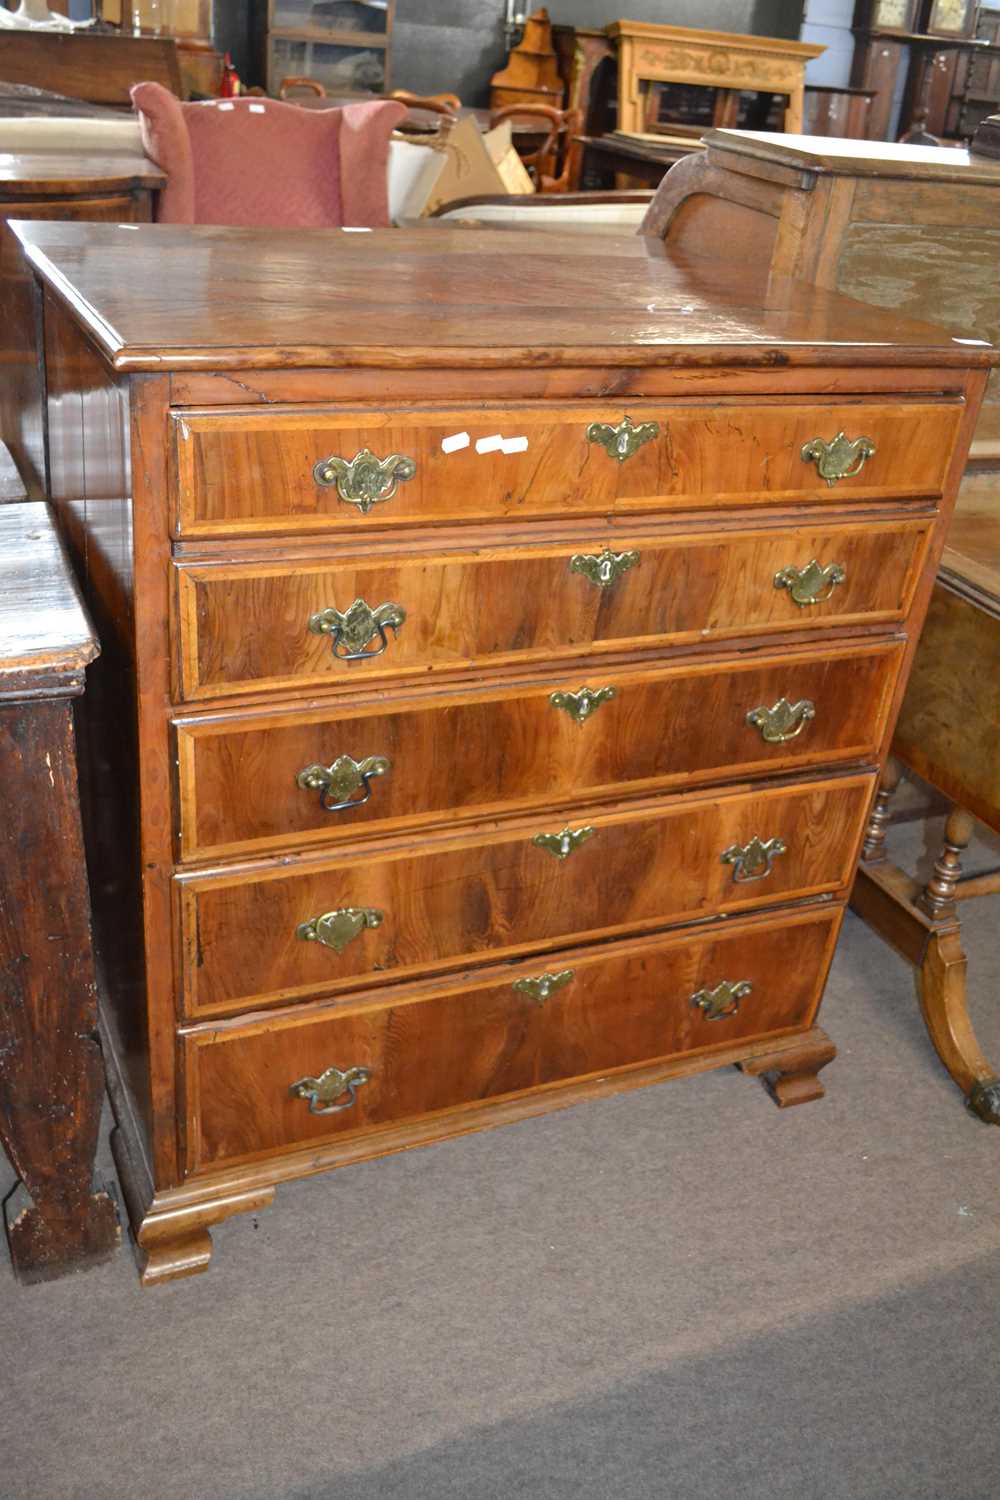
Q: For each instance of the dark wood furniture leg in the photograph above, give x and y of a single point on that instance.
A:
(922, 925)
(51, 1076)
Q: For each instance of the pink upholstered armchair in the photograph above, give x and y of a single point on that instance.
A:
(261, 162)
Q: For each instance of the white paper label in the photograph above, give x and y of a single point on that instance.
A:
(492, 444)
(455, 442)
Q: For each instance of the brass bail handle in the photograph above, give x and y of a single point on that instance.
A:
(364, 480)
(322, 1093)
(783, 721)
(338, 783)
(352, 630)
(813, 584)
(724, 1000)
(335, 929)
(840, 458)
(754, 860)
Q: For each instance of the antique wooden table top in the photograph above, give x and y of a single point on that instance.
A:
(44, 629)
(30, 174)
(303, 299)
(857, 157)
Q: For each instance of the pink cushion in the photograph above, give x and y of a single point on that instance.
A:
(267, 163)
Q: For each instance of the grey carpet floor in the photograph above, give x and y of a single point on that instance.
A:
(680, 1292)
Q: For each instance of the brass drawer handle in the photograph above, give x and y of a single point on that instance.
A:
(813, 584)
(541, 988)
(335, 929)
(622, 441)
(337, 783)
(581, 704)
(753, 861)
(365, 480)
(603, 568)
(724, 1000)
(841, 458)
(783, 720)
(329, 1086)
(352, 631)
(563, 844)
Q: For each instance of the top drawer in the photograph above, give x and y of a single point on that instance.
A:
(284, 469)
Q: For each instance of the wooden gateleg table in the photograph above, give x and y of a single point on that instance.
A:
(949, 734)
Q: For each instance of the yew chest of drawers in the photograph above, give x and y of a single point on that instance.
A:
(500, 642)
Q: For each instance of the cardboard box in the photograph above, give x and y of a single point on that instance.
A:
(465, 163)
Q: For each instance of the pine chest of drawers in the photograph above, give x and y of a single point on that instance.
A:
(500, 643)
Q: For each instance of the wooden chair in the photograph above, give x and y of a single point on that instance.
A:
(297, 85)
(543, 162)
(437, 104)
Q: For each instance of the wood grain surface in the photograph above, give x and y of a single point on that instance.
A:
(479, 751)
(252, 471)
(949, 727)
(44, 629)
(243, 627)
(51, 1079)
(169, 297)
(449, 899)
(487, 1040)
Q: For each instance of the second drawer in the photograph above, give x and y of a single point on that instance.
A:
(322, 774)
(269, 935)
(289, 621)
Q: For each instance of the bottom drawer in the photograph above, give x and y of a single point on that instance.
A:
(418, 1049)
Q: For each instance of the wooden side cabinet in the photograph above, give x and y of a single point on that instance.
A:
(51, 1078)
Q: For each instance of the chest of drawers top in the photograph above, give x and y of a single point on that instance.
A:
(158, 298)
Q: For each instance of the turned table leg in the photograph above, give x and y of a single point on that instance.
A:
(941, 978)
(922, 925)
(51, 1076)
(873, 850)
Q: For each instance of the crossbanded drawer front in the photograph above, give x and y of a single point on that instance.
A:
(285, 469)
(259, 1088)
(306, 776)
(264, 936)
(286, 622)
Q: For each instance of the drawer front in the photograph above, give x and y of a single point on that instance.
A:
(282, 469)
(253, 939)
(620, 1006)
(257, 784)
(288, 623)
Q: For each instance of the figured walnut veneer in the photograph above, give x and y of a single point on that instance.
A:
(249, 472)
(503, 603)
(542, 893)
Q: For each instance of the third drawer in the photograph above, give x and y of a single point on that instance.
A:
(251, 784)
(270, 934)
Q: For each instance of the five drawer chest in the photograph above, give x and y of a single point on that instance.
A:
(501, 637)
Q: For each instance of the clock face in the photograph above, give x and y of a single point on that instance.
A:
(894, 13)
(949, 15)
